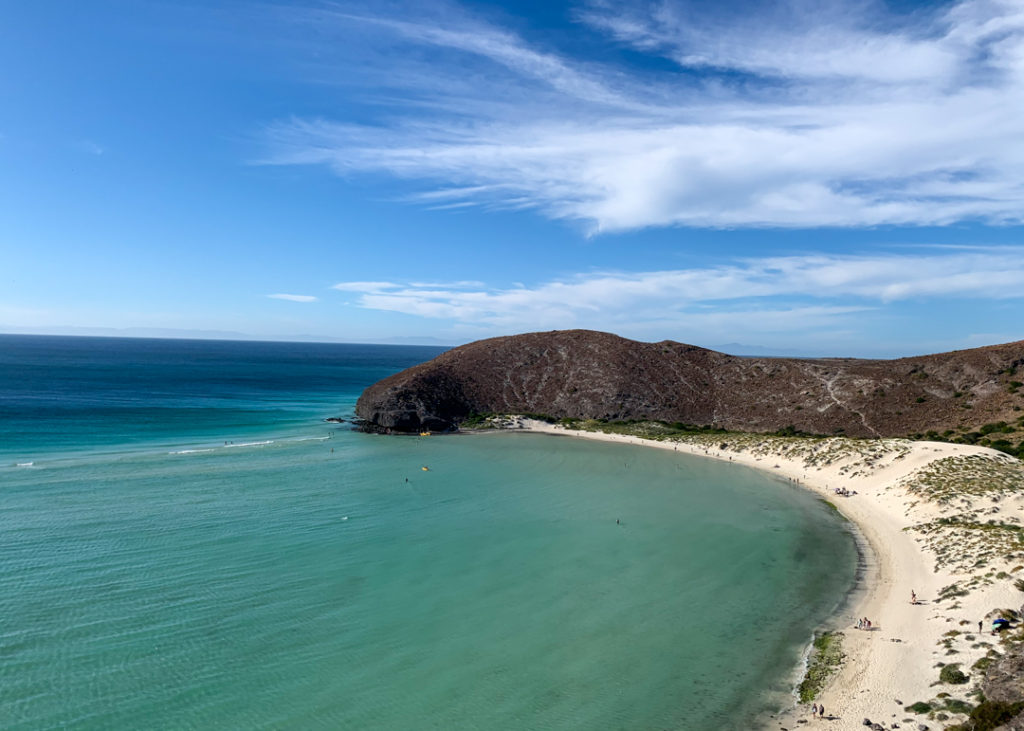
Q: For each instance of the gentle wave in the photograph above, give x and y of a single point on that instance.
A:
(191, 451)
(25, 464)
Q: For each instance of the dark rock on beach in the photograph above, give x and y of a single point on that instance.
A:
(587, 374)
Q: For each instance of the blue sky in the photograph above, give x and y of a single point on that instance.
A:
(841, 179)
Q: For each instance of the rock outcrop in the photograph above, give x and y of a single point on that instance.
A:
(1003, 687)
(586, 374)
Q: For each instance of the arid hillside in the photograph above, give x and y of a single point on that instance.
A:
(594, 375)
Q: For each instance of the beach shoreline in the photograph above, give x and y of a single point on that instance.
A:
(896, 663)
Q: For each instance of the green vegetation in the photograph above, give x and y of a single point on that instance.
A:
(919, 707)
(825, 660)
(982, 663)
(952, 675)
(951, 591)
(476, 421)
(541, 417)
(982, 434)
(953, 705)
(989, 715)
(643, 428)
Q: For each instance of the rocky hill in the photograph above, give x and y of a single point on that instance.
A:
(594, 375)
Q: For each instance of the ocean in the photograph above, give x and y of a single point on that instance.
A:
(186, 543)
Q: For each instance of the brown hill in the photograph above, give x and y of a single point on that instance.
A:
(586, 374)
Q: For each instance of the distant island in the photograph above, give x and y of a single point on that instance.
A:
(972, 396)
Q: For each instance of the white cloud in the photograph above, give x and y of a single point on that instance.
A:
(788, 39)
(364, 286)
(771, 292)
(837, 117)
(293, 297)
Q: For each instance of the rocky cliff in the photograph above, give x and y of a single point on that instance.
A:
(586, 374)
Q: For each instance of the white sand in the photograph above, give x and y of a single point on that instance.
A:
(895, 664)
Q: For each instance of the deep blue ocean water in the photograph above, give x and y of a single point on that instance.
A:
(192, 546)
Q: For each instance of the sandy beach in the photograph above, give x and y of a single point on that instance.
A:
(959, 570)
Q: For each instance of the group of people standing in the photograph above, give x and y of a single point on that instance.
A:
(818, 710)
(863, 623)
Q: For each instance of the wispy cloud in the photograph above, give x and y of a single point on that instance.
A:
(840, 116)
(812, 290)
(293, 297)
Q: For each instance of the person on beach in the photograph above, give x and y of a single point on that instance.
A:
(913, 597)
(814, 711)
(821, 711)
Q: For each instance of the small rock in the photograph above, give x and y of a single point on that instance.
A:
(866, 722)
(899, 702)
(921, 727)
(877, 727)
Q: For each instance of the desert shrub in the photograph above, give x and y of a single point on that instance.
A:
(954, 705)
(952, 674)
(989, 715)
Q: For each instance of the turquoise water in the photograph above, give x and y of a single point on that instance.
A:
(156, 576)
